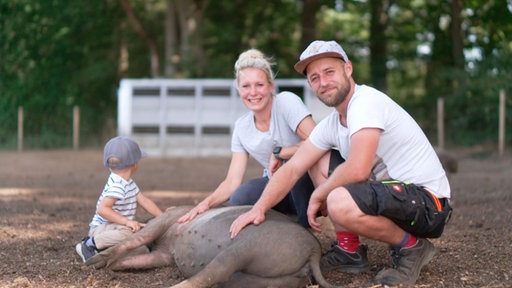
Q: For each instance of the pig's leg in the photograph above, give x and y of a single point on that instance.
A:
(143, 261)
(240, 279)
(232, 260)
(218, 270)
(142, 238)
(154, 230)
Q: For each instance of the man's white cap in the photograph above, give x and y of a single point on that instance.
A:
(319, 49)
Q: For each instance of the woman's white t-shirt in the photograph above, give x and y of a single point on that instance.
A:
(288, 111)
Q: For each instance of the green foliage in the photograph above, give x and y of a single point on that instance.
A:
(471, 95)
(270, 26)
(348, 27)
(53, 60)
(55, 55)
(475, 107)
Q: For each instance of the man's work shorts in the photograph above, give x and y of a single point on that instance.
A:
(412, 207)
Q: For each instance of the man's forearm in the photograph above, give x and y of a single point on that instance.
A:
(277, 188)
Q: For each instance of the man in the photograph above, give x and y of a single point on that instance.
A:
(391, 186)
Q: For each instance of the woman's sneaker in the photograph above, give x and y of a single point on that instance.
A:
(338, 259)
(85, 251)
(407, 264)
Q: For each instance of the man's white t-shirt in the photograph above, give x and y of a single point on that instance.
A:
(288, 111)
(404, 152)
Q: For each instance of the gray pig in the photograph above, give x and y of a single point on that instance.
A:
(276, 253)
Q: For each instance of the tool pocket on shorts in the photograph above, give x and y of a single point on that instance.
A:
(399, 203)
(390, 199)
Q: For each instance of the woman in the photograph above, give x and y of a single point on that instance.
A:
(270, 132)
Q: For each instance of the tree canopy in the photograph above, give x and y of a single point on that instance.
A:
(56, 54)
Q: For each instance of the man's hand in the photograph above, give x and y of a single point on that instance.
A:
(253, 216)
(199, 209)
(315, 205)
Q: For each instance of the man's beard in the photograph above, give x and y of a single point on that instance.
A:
(338, 98)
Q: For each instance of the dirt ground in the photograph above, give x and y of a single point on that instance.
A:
(48, 198)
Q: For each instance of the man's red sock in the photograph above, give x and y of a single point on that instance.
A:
(408, 241)
(348, 241)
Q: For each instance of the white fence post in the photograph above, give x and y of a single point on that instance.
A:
(501, 131)
(198, 125)
(440, 123)
(76, 127)
(162, 114)
(124, 108)
(20, 128)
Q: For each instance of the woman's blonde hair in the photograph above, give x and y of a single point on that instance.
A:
(254, 58)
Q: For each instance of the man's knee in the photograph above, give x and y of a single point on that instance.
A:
(339, 202)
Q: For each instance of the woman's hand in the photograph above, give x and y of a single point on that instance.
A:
(199, 209)
(273, 165)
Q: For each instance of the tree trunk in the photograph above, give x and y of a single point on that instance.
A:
(308, 22)
(447, 50)
(155, 60)
(434, 85)
(457, 36)
(171, 39)
(185, 46)
(378, 44)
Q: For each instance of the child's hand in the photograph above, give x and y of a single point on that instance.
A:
(134, 225)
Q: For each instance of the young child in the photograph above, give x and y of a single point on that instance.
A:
(117, 204)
